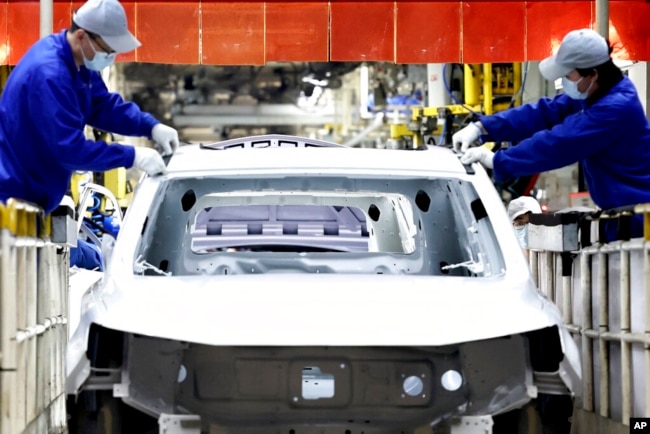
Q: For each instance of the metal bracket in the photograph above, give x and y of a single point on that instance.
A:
(472, 425)
(120, 390)
(179, 424)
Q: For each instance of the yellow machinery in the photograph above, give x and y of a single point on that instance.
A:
(488, 88)
(4, 75)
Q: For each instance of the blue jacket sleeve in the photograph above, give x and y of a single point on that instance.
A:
(68, 145)
(578, 137)
(111, 113)
(86, 255)
(522, 122)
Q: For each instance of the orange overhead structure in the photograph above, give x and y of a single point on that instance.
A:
(403, 31)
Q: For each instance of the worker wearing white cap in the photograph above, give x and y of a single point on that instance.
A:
(54, 92)
(598, 121)
(519, 210)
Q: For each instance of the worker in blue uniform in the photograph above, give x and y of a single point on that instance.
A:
(598, 121)
(54, 92)
(86, 255)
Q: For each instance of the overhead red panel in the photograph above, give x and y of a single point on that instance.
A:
(402, 31)
(297, 31)
(629, 31)
(543, 35)
(362, 31)
(493, 31)
(168, 31)
(233, 33)
(76, 4)
(428, 32)
(62, 15)
(23, 20)
(4, 35)
(129, 8)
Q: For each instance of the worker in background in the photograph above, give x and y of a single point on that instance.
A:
(53, 92)
(598, 121)
(86, 255)
(519, 210)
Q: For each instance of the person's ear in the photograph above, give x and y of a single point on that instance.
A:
(78, 35)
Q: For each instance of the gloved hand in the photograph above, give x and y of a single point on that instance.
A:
(166, 138)
(149, 160)
(481, 154)
(464, 138)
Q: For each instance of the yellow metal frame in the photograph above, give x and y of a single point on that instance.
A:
(422, 112)
(20, 218)
(4, 75)
(482, 82)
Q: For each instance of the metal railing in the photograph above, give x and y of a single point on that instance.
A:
(33, 317)
(603, 292)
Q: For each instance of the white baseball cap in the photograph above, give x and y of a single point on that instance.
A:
(583, 48)
(523, 205)
(107, 19)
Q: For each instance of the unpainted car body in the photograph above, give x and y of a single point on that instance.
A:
(280, 284)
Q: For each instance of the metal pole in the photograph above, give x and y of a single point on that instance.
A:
(487, 89)
(603, 345)
(534, 266)
(602, 18)
(626, 351)
(587, 349)
(646, 274)
(566, 264)
(549, 276)
(46, 17)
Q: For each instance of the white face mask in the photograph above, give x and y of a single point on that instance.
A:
(522, 236)
(571, 88)
(101, 59)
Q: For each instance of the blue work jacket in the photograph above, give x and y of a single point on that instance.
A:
(611, 138)
(44, 108)
(86, 255)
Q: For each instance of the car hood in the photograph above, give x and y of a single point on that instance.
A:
(315, 310)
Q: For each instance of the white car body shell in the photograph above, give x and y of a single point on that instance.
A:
(315, 310)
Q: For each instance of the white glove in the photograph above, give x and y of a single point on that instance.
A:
(481, 154)
(149, 160)
(166, 138)
(464, 138)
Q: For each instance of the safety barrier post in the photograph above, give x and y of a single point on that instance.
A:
(21, 312)
(645, 211)
(603, 327)
(626, 350)
(533, 262)
(8, 326)
(33, 311)
(566, 262)
(646, 274)
(587, 349)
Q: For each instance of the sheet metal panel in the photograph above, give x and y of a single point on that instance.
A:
(297, 30)
(4, 51)
(492, 35)
(61, 15)
(428, 32)
(233, 33)
(23, 27)
(362, 31)
(404, 31)
(168, 31)
(543, 35)
(629, 30)
(129, 8)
